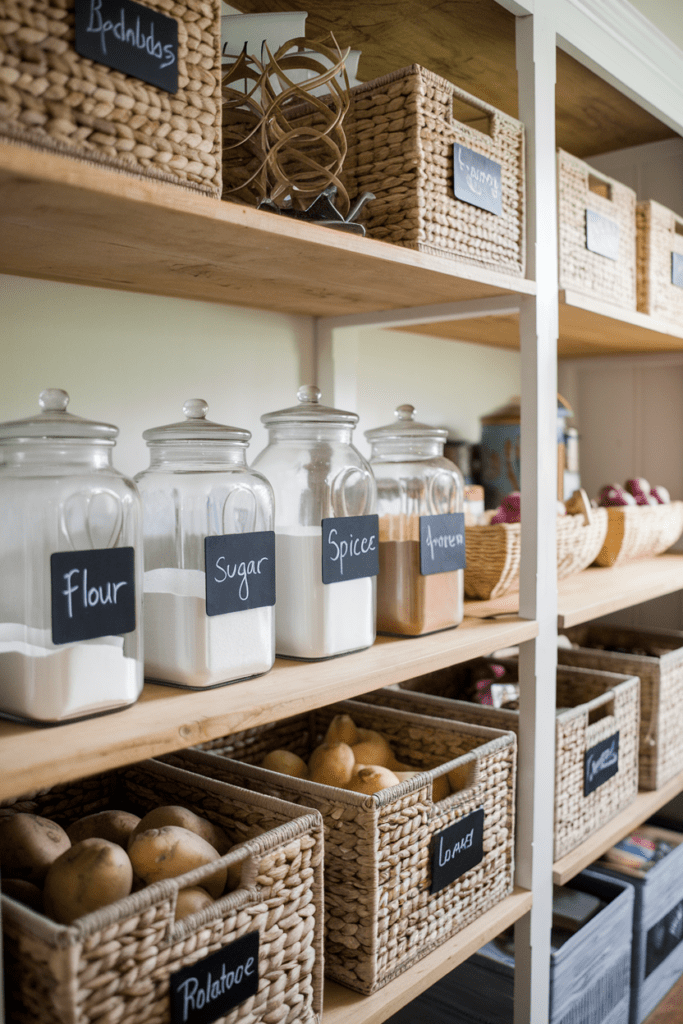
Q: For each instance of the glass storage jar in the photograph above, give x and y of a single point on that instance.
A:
(326, 530)
(71, 556)
(209, 555)
(421, 528)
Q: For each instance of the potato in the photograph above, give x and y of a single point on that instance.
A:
(90, 875)
(116, 826)
(28, 846)
(190, 901)
(173, 814)
(285, 762)
(171, 851)
(371, 778)
(24, 892)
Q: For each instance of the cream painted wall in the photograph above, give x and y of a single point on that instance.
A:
(667, 15)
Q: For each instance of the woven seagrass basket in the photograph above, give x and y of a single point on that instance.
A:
(53, 98)
(659, 236)
(113, 966)
(640, 531)
(580, 189)
(494, 552)
(380, 916)
(656, 657)
(592, 706)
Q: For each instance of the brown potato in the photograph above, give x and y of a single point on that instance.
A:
(28, 846)
(371, 778)
(372, 749)
(90, 875)
(116, 826)
(174, 814)
(285, 762)
(331, 764)
(171, 851)
(24, 892)
(190, 901)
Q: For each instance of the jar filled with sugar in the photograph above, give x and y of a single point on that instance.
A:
(209, 555)
(421, 528)
(326, 530)
(71, 557)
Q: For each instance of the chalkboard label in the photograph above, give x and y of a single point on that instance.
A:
(442, 543)
(131, 38)
(602, 235)
(677, 269)
(93, 593)
(457, 849)
(240, 571)
(350, 548)
(476, 180)
(209, 989)
(600, 763)
(663, 937)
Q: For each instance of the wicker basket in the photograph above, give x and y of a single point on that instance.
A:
(55, 99)
(639, 531)
(661, 688)
(113, 966)
(581, 188)
(379, 913)
(494, 552)
(659, 236)
(592, 706)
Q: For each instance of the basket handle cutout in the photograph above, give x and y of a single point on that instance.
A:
(678, 227)
(600, 187)
(463, 776)
(605, 710)
(472, 116)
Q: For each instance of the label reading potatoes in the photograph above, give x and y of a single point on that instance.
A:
(93, 593)
(442, 543)
(457, 849)
(601, 762)
(677, 269)
(240, 571)
(476, 180)
(209, 989)
(602, 235)
(350, 548)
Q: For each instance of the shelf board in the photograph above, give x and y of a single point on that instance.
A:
(644, 806)
(167, 718)
(342, 1006)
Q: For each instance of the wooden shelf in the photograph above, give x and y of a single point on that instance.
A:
(166, 718)
(597, 591)
(342, 1006)
(644, 806)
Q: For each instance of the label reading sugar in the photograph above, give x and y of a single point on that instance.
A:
(240, 571)
(677, 269)
(350, 548)
(602, 235)
(476, 180)
(93, 593)
(131, 38)
(457, 849)
(209, 989)
(600, 763)
(663, 937)
(442, 543)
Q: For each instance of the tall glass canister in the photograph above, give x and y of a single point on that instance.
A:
(209, 555)
(71, 558)
(326, 530)
(422, 530)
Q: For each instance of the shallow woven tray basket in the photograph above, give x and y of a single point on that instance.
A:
(380, 917)
(640, 531)
(660, 235)
(113, 966)
(582, 188)
(661, 688)
(592, 706)
(54, 99)
(494, 552)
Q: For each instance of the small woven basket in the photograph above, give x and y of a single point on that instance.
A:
(581, 188)
(53, 98)
(113, 966)
(380, 917)
(640, 531)
(592, 706)
(494, 552)
(661, 687)
(660, 235)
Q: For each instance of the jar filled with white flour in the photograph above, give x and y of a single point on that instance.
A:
(209, 555)
(327, 542)
(71, 569)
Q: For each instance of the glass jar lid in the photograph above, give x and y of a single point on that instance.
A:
(53, 421)
(406, 426)
(196, 427)
(309, 410)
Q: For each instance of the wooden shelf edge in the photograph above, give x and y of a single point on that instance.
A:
(644, 806)
(342, 1006)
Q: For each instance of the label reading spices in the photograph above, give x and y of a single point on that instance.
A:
(350, 548)
(209, 989)
(93, 593)
(602, 235)
(442, 543)
(677, 269)
(476, 180)
(240, 571)
(457, 849)
(601, 762)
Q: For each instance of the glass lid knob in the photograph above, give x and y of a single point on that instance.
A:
(196, 409)
(53, 400)
(405, 412)
(309, 393)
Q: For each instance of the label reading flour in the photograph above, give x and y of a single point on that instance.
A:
(442, 543)
(350, 548)
(209, 989)
(601, 762)
(93, 593)
(240, 571)
(457, 849)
